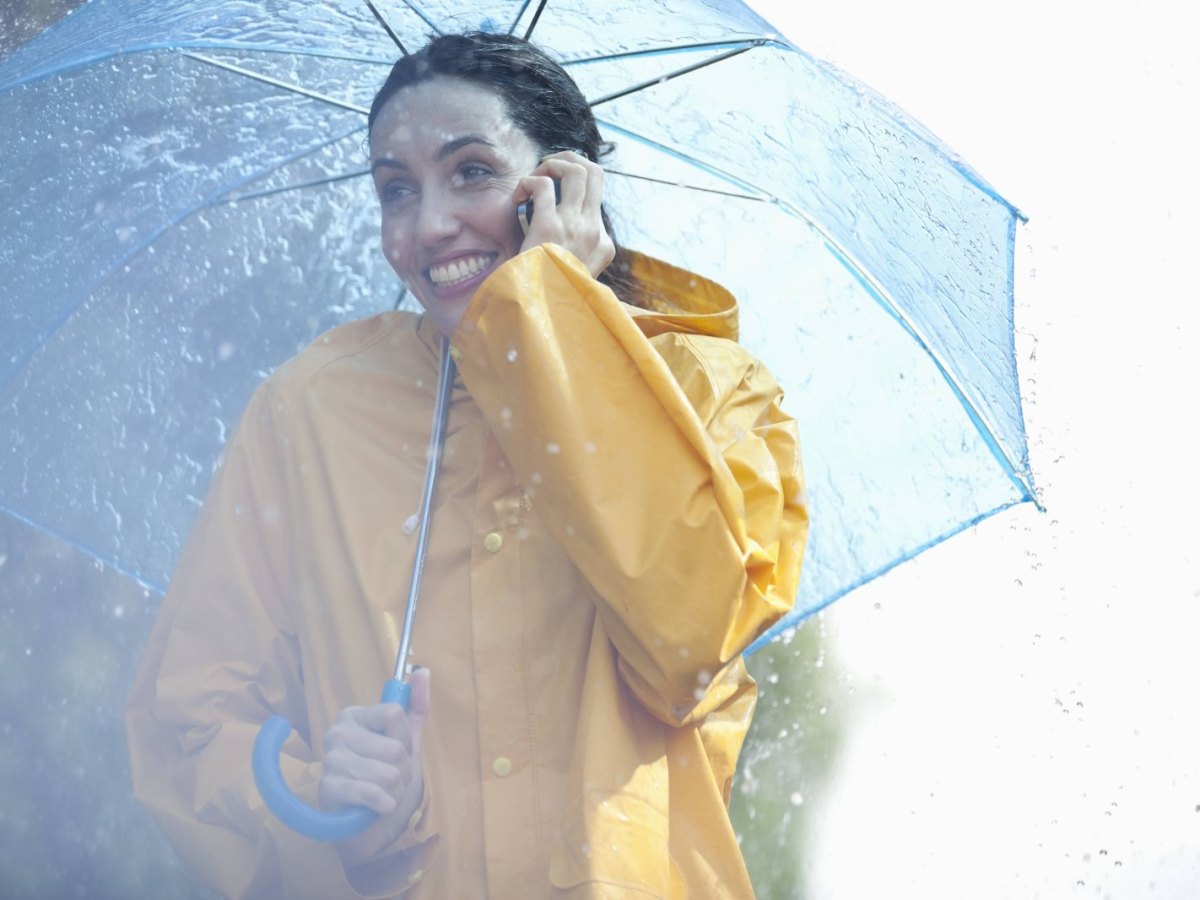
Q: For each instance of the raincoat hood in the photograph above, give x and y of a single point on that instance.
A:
(680, 301)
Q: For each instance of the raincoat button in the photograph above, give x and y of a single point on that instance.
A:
(455, 354)
(502, 766)
(493, 542)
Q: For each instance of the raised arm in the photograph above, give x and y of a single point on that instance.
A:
(664, 467)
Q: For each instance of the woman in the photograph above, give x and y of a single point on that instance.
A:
(619, 514)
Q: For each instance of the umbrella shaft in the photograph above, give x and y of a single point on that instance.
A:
(436, 439)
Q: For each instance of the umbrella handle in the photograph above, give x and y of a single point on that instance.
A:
(290, 809)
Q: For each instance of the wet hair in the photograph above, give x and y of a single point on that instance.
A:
(539, 96)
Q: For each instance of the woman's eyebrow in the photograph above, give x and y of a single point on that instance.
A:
(387, 164)
(447, 149)
(458, 143)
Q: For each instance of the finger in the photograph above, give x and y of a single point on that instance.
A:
(347, 764)
(419, 683)
(595, 189)
(377, 718)
(338, 792)
(572, 178)
(418, 707)
(388, 747)
(541, 189)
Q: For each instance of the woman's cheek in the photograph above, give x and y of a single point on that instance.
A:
(393, 244)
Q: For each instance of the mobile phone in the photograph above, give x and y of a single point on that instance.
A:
(525, 210)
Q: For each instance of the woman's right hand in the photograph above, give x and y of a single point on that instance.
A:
(373, 759)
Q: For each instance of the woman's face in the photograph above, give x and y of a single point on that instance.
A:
(446, 158)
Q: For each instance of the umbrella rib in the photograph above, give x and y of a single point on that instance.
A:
(386, 27)
(517, 18)
(316, 182)
(873, 287)
(684, 71)
(275, 82)
(881, 296)
(537, 15)
(421, 15)
(86, 550)
(676, 48)
(212, 200)
(694, 161)
(690, 187)
(85, 61)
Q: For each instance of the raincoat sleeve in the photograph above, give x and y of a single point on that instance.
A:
(664, 466)
(222, 658)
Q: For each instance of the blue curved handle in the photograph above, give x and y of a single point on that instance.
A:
(290, 809)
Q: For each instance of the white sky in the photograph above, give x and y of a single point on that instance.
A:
(1024, 716)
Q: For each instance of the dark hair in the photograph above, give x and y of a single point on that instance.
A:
(539, 96)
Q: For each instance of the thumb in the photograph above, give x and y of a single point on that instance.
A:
(418, 698)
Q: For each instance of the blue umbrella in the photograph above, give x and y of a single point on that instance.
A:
(181, 209)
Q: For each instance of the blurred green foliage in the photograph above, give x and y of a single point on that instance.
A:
(71, 635)
(787, 760)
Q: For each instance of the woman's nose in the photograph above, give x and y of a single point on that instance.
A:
(437, 220)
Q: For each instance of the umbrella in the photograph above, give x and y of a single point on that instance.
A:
(183, 209)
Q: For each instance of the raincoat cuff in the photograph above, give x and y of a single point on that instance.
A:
(420, 828)
(402, 864)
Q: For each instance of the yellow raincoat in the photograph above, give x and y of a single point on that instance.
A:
(620, 512)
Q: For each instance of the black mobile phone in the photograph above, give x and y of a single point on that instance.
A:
(525, 210)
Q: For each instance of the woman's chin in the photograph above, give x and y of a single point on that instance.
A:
(447, 313)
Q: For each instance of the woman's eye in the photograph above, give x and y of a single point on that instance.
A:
(472, 172)
(394, 191)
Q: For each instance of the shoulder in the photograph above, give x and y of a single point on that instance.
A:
(714, 371)
(378, 344)
(360, 340)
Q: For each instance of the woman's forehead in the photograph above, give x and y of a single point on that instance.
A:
(422, 118)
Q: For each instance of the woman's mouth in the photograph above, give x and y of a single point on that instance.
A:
(458, 271)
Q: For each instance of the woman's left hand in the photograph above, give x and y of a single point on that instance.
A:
(573, 222)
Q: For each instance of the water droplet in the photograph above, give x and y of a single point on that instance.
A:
(410, 524)
(552, 448)
(797, 799)
(512, 354)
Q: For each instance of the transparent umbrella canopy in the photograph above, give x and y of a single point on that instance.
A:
(183, 207)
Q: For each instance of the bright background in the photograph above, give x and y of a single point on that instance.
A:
(1017, 708)
(1013, 714)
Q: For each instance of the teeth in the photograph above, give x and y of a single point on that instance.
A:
(457, 271)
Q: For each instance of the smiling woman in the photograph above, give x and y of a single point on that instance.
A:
(620, 514)
(446, 191)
